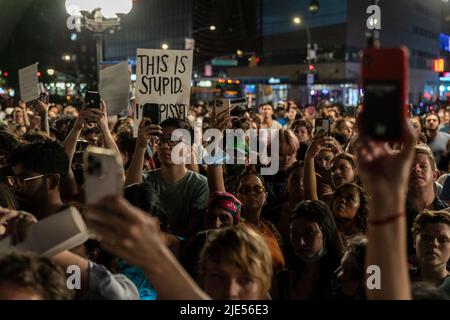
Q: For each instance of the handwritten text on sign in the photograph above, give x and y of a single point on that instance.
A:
(163, 78)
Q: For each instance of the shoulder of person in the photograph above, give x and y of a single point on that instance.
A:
(197, 176)
(151, 174)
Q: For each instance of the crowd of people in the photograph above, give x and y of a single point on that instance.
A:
(339, 204)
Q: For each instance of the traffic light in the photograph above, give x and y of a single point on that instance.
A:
(311, 67)
(5, 73)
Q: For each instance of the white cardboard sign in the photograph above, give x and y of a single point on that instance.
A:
(114, 87)
(163, 77)
(28, 83)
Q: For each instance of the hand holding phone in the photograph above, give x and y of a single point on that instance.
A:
(44, 97)
(151, 111)
(102, 169)
(322, 125)
(92, 100)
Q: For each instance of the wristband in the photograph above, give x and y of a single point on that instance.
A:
(380, 222)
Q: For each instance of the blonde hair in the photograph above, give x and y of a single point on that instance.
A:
(289, 138)
(424, 149)
(242, 247)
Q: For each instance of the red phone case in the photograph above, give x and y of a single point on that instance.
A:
(387, 64)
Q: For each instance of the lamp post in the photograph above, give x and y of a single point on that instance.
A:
(190, 42)
(298, 21)
(309, 53)
(98, 16)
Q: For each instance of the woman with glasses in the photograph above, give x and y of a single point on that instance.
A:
(431, 232)
(316, 253)
(251, 191)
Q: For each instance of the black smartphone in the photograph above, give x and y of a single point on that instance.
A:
(151, 110)
(44, 97)
(322, 124)
(92, 100)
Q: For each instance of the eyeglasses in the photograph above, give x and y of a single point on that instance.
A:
(19, 181)
(250, 189)
(168, 139)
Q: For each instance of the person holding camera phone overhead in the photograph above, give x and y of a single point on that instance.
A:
(184, 192)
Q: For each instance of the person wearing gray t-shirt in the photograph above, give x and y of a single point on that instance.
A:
(184, 193)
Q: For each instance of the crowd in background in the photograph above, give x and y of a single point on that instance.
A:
(338, 204)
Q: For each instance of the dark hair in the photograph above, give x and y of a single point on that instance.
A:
(363, 210)
(356, 249)
(346, 156)
(45, 157)
(303, 123)
(427, 217)
(146, 198)
(317, 211)
(431, 114)
(249, 171)
(178, 124)
(292, 167)
(40, 274)
(126, 142)
(36, 136)
(8, 142)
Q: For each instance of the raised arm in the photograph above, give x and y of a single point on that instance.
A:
(108, 139)
(26, 119)
(385, 176)
(145, 133)
(215, 171)
(134, 236)
(42, 108)
(310, 181)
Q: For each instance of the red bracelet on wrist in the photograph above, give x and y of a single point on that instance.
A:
(379, 222)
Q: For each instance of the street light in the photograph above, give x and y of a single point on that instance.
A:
(105, 17)
(314, 6)
(298, 21)
(165, 46)
(190, 42)
(50, 72)
(67, 58)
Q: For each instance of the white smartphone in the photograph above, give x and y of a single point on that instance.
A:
(102, 169)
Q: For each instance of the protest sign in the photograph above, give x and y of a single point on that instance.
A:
(114, 87)
(28, 83)
(163, 78)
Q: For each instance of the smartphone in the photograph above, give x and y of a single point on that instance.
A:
(44, 97)
(322, 124)
(385, 74)
(151, 111)
(92, 100)
(102, 174)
